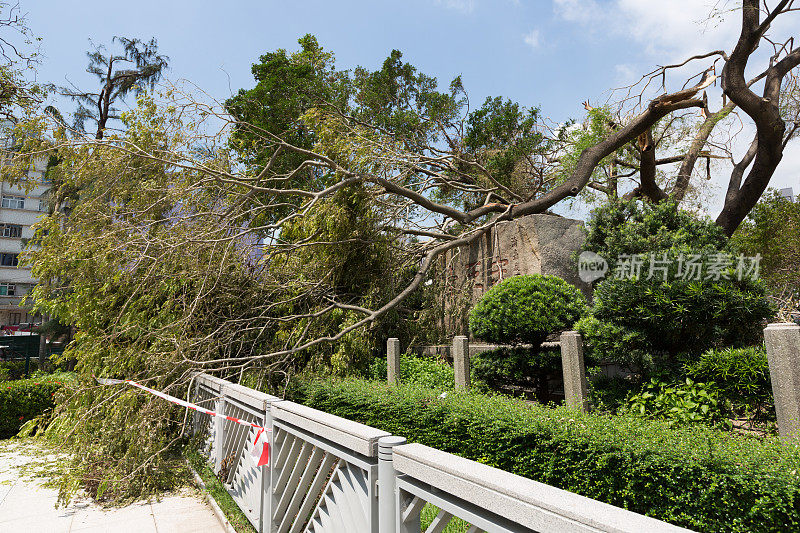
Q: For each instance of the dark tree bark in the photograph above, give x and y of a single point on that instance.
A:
(763, 110)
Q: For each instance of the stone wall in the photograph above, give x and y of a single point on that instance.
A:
(535, 244)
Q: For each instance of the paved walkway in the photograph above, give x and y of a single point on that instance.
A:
(28, 507)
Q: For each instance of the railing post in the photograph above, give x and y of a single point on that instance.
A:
(219, 430)
(393, 361)
(783, 354)
(196, 416)
(574, 371)
(387, 486)
(461, 361)
(266, 522)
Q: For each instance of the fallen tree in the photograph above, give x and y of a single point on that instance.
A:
(285, 231)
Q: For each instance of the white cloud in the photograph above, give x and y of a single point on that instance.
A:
(581, 11)
(532, 38)
(674, 29)
(625, 73)
(467, 6)
(464, 6)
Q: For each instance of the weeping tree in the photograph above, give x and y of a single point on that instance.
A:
(291, 225)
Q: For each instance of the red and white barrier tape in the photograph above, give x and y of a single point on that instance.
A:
(262, 455)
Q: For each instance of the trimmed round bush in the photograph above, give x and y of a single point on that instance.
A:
(526, 309)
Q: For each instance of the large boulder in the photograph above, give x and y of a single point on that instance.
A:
(535, 244)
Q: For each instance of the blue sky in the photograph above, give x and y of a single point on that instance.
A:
(548, 53)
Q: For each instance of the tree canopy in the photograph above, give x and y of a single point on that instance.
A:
(301, 223)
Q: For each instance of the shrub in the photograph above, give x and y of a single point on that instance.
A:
(772, 229)
(517, 367)
(650, 323)
(16, 369)
(679, 404)
(741, 375)
(634, 227)
(423, 371)
(696, 477)
(24, 400)
(526, 309)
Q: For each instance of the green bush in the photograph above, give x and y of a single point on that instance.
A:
(607, 394)
(650, 323)
(696, 477)
(526, 309)
(519, 368)
(24, 400)
(635, 227)
(15, 369)
(424, 371)
(513, 364)
(679, 404)
(741, 375)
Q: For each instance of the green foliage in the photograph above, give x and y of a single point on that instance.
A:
(423, 371)
(577, 138)
(517, 368)
(679, 404)
(513, 364)
(741, 375)
(650, 323)
(128, 441)
(526, 309)
(429, 513)
(772, 230)
(217, 490)
(635, 227)
(608, 394)
(501, 135)
(11, 370)
(693, 476)
(136, 69)
(24, 400)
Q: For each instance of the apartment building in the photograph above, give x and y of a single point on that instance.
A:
(20, 208)
(788, 193)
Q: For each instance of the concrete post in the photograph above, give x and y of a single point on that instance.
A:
(393, 361)
(783, 354)
(268, 499)
(461, 361)
(387, 486)
(574, 370)
(196, 417)
(219, 433)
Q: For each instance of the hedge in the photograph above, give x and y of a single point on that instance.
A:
(12, 370)
(699, 478)
(23, 400)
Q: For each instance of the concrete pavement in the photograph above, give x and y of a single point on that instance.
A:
(28, 507)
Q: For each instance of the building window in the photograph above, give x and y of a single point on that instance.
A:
(11, 230)
(8, 289)
(8, 259)
(15, 318)
(14, 202)
(42, 206)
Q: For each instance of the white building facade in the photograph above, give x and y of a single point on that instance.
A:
(21, 206)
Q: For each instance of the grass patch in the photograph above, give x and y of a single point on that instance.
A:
(429, 512)
(217, 491)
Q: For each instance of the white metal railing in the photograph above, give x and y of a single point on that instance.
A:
(328, 474)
